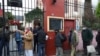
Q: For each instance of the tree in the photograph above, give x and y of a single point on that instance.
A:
(35, 13)
(9, 15)
(88, 17)
(98, 11)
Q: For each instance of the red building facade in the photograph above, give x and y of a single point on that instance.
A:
(55, 9)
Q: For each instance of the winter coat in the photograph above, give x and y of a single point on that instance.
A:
(58, 40)
(35, 34)
(87, 35)
(18, 36)
(7, 34)
(98, 37)
(1, 33)
(28, 39)
(41, 36)
(74, 38)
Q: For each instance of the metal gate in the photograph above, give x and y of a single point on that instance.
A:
(20, 13)
(23, 13)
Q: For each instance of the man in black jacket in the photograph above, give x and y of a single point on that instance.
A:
(35, 30)
(1, 38)
(41, 38)
(4, 40)
(58, 43)
(87, 37)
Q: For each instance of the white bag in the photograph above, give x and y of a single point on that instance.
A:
(91, 49)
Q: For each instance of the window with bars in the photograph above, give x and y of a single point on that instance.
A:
(75, 5)
(55, 23)
(66, 6)
(14, 3)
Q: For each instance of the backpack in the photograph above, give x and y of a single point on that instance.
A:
(63, 38)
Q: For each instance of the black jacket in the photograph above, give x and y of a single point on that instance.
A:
(1, 33)
(98, 37)
(7, 35)
(41, 36)
(87, 35)
(58, 40)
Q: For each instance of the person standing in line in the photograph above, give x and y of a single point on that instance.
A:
(41, 37)
(58, 43)
(1, 40)
(98, 42)
(19, 43)
(87, 37)
(73, 40)
(28, 39)
(35, 36)
(5, 40)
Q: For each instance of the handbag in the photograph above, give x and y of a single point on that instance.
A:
(91, 49)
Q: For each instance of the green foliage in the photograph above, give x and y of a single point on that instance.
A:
(35, 13)
(96, 26)
(89, 19)
(98, 11)
(86, 22)
(9, 15)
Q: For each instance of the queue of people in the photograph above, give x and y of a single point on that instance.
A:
(33, 40)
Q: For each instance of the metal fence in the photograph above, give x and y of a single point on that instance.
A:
(22, 9)
(19, 11)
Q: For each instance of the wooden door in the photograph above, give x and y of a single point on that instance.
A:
(68, 24)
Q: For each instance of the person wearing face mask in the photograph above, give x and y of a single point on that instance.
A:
(28, 39)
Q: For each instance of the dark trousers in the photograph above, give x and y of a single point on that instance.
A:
(35, 44)
(41, 49)
(19, 46)
(85, 44)
(4, 44)
(98, 48)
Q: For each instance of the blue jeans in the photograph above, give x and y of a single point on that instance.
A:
(41, 49)
(4, 43)
(19, 46)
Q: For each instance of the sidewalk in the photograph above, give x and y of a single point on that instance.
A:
(79, 53)
(66, 53)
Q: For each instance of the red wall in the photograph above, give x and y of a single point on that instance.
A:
(52, 10)
(68, 24)
(1, 13)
